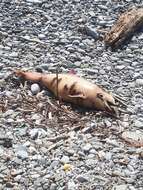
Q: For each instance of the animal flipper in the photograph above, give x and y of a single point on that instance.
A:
(33, 76)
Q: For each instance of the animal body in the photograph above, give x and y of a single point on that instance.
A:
(73, 89)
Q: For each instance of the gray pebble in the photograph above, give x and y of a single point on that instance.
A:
(54, 164)
(65, 159)
(138, 124)
(13, 54)
(102, 72)
(71, 185)
(37, 133)
(120, 67)
(34, 1)
(87, 147)
(41, 36)
(23, 154)
(139, 82)
(82, 178)
(92, 32)
(35, 89)
(53, 186)
(120, 187)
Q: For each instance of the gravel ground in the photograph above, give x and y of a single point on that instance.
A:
(44, 146)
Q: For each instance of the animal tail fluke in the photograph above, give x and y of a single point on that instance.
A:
(33, 76)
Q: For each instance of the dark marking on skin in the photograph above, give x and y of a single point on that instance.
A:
(53, 80)
(72, 90)
(65, 87)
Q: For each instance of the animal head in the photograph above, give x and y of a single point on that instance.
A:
(106, 101)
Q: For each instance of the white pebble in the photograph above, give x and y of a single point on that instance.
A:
(35, 89)
(139, 82)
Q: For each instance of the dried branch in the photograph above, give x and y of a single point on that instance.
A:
(127, 24)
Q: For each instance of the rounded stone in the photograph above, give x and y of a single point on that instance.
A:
(139, 82)
(65, 159)
(35, 89)
(87, 147)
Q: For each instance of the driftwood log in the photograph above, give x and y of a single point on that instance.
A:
(128, 23)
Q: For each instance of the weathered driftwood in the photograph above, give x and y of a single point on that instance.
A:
(128, 23)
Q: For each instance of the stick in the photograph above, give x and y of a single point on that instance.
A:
(121, 102)
(32, 40)
(58, 138)
(125, 27)
(57, 88)
(119, 97)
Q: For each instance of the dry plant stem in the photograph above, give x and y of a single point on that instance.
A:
(51, 104)
(25, 110)
(32, 40)
(124, 111)
(57, 88)
(128, 23)
(121, 102)
(54, 146)
(58, 138)
(119, 97)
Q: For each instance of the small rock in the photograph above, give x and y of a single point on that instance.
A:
(8, 113)
(71, 185)
(13, 54)
(120, 187)
(53, 186)
(93, 151)
(108, 155)
(6, 142)
(9, 184)
(70, 152)
(82, 179)
(103, 7)
(1, 151)
(65, 159)
(116, 173)
(35, 89)
(87, 147)
(120, 67)
(54, 164)
(141, 155)
(21, 152)
(76, 42)
(37, 133)
(17, 178)
(101, 154)
(112, 142)
(88, 30)
(140, 37)
(34, 1)
(133, 137)
(15, 172)
(138, 124)
(139, 82)
(41, 36)
(102, 72)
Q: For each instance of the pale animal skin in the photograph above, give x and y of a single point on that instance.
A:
(73, 89)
